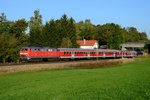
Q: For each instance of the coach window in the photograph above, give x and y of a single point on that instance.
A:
(100, 53)
(72, 52)
(63, 53)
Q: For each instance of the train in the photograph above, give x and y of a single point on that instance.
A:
(45, 53)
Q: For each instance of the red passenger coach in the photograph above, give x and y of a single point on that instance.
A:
(37, 53)
(87, 53)
(106, 53)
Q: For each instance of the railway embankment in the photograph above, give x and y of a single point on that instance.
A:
(63, 65)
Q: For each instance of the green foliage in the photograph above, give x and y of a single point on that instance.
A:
(8, 46)
(68, 30)
(36, 27)
(66, 43)
(143, 36)
(121, 82)
(12, 38)
(133, 34)
(57, 32)
(85, 30)
(110, 34)
(51, 34)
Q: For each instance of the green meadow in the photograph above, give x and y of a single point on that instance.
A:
(119, 82)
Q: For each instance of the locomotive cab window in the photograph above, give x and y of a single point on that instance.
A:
(24, 49)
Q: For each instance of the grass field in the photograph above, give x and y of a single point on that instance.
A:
(120, 82)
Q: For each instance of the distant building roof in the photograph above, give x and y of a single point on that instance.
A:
(131, 44)
(86, 42)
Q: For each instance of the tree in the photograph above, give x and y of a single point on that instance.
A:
(133, 34)
(72, 35)
(36, 26)
(8, 46)
(19, 27)
(143, 36)
(51, 34)
(68, 30)
(85, 30)
(12, 38)
(110, 34)
(66, 43)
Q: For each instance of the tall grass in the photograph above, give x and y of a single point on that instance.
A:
(122, 82)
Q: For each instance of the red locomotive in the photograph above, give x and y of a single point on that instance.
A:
(45, 53)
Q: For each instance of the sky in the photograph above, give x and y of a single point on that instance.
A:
(127, 13)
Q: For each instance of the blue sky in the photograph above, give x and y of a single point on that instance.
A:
(126, 13)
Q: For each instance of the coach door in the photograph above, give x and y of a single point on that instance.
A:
(72, 54)
(88, 55)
